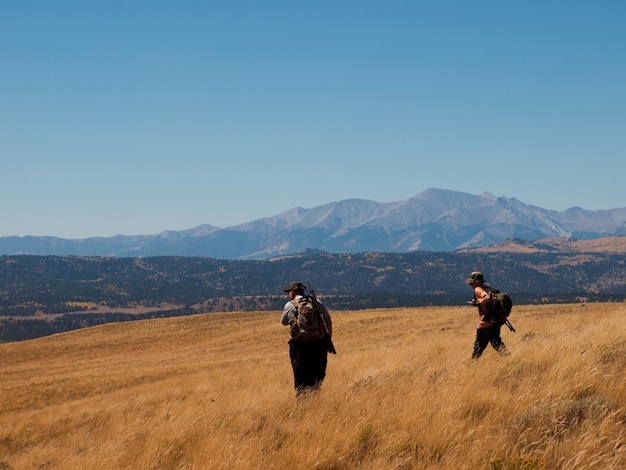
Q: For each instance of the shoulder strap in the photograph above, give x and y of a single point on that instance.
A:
(296, 304)
(491, 290)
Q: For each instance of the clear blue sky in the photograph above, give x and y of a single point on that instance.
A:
(135, 117)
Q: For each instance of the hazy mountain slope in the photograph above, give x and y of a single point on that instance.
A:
(433, 220)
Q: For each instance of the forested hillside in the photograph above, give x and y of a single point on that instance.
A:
(73, 292)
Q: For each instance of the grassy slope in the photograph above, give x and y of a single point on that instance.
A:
(215, 391)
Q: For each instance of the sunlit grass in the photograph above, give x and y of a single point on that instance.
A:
(215, 391)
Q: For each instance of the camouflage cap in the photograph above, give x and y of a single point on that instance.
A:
(476, 276)
(297, 286)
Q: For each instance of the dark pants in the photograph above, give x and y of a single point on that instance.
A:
(485, 336)
(308, 361)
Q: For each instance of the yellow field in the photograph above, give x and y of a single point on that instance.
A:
(215, 392)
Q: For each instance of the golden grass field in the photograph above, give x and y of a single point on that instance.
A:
(215, 391)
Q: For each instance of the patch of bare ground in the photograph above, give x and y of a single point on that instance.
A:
(215, 392)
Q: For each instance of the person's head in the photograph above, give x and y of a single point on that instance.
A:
(475, 279)
(294, 288)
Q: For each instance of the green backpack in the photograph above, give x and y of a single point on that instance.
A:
(500, 306)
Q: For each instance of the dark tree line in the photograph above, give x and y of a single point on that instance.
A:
(12, 329)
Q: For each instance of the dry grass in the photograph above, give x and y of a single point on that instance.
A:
(215, 392)
(605, 245)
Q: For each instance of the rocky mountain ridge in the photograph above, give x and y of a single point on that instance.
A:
(433, 220)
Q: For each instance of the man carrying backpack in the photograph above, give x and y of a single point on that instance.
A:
(310, 330)
(487, 330)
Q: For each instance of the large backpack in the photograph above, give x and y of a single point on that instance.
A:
(500, 305)
(308, 324)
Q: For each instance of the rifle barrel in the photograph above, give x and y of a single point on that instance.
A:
(331, 346)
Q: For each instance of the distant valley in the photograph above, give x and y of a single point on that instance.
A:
(41, 295)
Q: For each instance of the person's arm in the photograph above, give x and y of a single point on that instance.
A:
(482, 298)
(288, 313)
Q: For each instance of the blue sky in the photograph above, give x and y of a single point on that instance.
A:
(135, 117)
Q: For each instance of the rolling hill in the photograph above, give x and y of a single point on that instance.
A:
(216, 392)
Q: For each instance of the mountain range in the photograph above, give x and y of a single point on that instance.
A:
(433, 220)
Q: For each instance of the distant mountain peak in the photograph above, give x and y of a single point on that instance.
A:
(433, 220)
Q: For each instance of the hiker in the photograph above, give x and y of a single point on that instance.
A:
(487, 332)
(309, 355)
